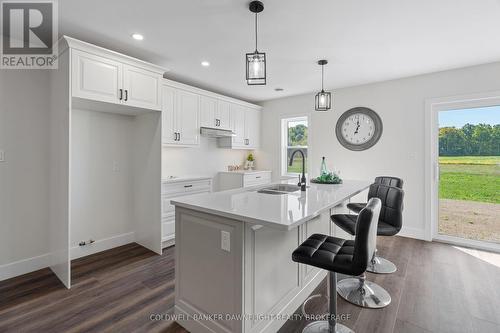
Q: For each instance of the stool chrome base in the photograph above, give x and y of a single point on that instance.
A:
(310, 298)
(322, 326)
(380, 265)
(363, 293)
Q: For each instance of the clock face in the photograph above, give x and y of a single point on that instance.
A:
(359, 128)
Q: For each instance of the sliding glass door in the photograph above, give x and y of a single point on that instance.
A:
(469, 174)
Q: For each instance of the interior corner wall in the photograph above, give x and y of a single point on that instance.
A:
(24, 176)
(401, 149)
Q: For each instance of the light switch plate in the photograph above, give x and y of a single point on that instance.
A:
(225, 241)
(2, 156)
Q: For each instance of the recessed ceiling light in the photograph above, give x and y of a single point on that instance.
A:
(137, 36)
(278, 89)
(205, 63)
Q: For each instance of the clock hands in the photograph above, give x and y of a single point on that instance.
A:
(357, 127)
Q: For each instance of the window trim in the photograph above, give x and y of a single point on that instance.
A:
(284, 143)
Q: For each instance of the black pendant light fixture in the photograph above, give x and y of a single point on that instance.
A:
(323, 100)
(256, 61)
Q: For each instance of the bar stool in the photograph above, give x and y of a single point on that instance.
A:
(338, 255)
(356, 207)
(391, 218)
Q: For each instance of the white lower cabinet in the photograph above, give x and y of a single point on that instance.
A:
(173, 189)
(237, 179)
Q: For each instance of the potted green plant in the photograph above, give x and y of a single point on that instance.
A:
(249, 162)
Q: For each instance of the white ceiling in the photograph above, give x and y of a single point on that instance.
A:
(364, 41)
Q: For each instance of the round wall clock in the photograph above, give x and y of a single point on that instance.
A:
(359, 128)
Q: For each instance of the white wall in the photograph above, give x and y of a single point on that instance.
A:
(101, 175)
(400, 151)
(24, 135)
(205, 160)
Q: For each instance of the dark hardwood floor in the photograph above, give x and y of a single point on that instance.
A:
(437, 288)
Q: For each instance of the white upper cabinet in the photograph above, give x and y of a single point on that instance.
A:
(96, 78)
(169, 131)
(246, 125)
(215, 113)
(141, 88)
(104, 76)
(188, 126)
(208, 112)
(224, 114)
(252, 128)
(180, 117)
(238, 126)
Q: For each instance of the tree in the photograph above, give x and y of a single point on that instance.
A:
(474, 140)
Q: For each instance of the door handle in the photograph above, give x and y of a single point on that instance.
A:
(126, 95)
(121, 94)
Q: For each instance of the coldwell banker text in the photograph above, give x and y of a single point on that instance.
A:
(29, 35)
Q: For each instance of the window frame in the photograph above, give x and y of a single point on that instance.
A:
(285, 119)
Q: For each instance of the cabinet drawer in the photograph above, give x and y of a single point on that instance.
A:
(179, 189)
(256, 179)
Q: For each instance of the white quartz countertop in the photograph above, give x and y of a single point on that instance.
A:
(281, 211)
(176, 179)
(245, 172)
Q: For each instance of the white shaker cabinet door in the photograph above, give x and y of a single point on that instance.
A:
(96, 78)
(141, 88)
(238, 120)
(252, 128)
(208, 111)
(187, 117)
(169, 131)
(224, 115)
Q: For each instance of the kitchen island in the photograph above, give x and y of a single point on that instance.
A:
(234, 271)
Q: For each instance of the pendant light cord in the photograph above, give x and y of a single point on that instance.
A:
(322, 78)
(255, 32)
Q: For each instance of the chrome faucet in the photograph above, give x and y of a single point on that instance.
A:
(302, 181)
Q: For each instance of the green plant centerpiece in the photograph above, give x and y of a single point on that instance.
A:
(250, 157)
(326, 177)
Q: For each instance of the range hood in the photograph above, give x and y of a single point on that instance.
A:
(216, 132)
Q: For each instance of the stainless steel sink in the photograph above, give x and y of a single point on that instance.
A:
(279, 189)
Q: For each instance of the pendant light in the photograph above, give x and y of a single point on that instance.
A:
(323, 100)
(256, 62)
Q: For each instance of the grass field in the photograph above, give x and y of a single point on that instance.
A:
(473, 178)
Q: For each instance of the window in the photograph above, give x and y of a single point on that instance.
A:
(294, 136)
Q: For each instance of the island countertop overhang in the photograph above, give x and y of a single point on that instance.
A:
(283, 212)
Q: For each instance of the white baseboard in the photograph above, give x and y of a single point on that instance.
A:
(102, 245)
(24, 266)
(412, 233)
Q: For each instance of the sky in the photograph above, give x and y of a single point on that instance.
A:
(458, 118)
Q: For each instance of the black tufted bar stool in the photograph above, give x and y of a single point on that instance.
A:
(338, 255)
(391, 218)
(356, 207)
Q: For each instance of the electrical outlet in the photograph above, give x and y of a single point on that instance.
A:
(225, 241)
(2, 156)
